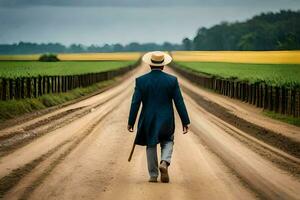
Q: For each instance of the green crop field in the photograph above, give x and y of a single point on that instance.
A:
(11, 69)
(273, 74)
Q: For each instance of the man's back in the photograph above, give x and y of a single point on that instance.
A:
(156, 90)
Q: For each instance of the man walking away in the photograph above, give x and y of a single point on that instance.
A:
(156, 91)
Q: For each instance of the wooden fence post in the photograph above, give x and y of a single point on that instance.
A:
(35, 88)
(283, 100)
(66, 83)
(280, 103)
(270, 98)
(265, 96)
(22, 88)
(254, 94)
(249, 93)
(259, 96)
(4, 90)
(288, 101)
(76, 83)
(43, 85)
(59, 83)
(232, 89)
(80, 80)
(293, 100)
(215, 84)
(276, 106)
(82, 77)
(17, 88)
(70, 82)
(235, 90)
(56, 84)
(28, 87)
(48, 84)
(39, 86)
(1, 86)
(63, 84)
(245, 98)
(297, 103)
(228, 88)
(52, 84)
(242, 91)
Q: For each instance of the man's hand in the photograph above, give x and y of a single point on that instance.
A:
(185, 129)
(130, 128)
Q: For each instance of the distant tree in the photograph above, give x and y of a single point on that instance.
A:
(76, 48)
(187, 44)
(48, 58)
(118, 48)
(93, 48)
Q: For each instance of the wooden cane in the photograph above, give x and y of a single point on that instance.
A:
(132, 150)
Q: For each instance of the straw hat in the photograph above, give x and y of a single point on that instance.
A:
(157, 58)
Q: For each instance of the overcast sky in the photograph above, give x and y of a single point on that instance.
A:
(122, 21)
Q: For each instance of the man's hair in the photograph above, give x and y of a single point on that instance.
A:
(157, 67)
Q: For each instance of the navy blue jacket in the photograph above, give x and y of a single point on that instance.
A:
(156, 90)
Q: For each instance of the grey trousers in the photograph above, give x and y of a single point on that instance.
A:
(166, 154)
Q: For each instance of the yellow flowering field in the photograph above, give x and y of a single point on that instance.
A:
(263, 57)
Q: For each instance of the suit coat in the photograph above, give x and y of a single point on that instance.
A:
(156, 91)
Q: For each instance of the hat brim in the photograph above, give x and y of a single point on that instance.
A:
(147, 59)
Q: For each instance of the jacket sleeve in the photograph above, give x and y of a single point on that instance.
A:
(180, 106)
(135, 104)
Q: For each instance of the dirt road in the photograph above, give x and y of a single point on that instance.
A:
(80, 152)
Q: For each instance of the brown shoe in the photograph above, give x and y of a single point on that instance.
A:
(153, 180)
(163, 168)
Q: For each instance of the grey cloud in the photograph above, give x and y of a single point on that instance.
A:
(109, 3)
(144, 3)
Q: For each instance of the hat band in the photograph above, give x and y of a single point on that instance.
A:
(157, 62)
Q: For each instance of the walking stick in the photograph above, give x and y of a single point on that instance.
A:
(132, 150)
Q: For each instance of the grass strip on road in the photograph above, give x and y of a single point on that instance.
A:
(14, 108)
(284, 118)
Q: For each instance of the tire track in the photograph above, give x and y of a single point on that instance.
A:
(12, 179)
(9, 181)
(262, 176)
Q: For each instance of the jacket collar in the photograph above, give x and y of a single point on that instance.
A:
(156, 70)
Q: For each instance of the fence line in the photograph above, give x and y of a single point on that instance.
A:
(32, 87)
(273, 98)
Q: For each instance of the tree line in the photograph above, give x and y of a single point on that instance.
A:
(267, 31)
(33, 48)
